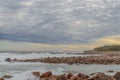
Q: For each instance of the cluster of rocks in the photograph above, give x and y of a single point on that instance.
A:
(80, 76)
(76, 60)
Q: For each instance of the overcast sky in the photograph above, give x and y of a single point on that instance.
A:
(78, 22)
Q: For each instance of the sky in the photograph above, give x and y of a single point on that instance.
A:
(58, 25)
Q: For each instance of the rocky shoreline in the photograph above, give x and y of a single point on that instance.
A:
(80, 76)
(104, 59)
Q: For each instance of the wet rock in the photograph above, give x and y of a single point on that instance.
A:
(37, 74)
(117, 76)
(8, 60)
(46, 74)
(110, 71)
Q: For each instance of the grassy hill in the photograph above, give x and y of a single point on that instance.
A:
(108, 48)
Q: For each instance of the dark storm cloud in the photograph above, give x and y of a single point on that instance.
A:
(58, 21)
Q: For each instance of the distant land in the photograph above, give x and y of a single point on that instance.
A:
(108, 48)
(105, 49)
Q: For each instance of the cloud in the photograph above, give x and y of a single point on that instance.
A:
(59, 22)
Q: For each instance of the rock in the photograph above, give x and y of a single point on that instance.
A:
(101, 76)
(83, 76)
(37, 74)
(46, 74)
(117, 76)
(6, 76)
(69, 75)
(110, 71)
(8, 60)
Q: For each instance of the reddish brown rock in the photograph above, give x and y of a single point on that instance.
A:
(46, 74)
(117, 76)
(37, 74)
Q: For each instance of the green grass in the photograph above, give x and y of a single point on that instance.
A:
(108, 48)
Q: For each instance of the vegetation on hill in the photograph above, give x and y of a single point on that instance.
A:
(108, 48)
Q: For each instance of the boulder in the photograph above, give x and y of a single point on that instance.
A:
(46, 74)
